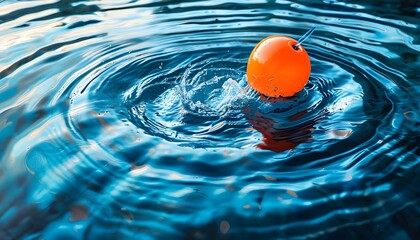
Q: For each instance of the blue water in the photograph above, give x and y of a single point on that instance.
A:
(132, 120)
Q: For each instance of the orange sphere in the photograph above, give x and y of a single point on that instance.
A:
(276, 69)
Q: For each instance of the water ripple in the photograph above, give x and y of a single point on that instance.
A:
(134, 120)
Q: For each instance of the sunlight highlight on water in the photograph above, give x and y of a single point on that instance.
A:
(132, 120)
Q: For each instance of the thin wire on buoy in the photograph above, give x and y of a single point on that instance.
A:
(303, 38)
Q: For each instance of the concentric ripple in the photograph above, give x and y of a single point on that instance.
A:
(133, 120)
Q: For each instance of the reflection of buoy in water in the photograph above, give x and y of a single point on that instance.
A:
(279, 66)
(281, 139)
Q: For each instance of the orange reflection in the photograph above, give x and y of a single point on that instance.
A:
(279, 139)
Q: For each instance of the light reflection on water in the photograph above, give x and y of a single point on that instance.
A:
(132, 120)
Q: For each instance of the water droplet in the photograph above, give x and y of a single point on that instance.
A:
(224, 227)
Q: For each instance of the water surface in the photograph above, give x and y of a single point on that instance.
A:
(132, 120)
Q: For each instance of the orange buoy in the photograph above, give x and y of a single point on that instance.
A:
(278, 66)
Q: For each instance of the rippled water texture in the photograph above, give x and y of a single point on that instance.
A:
(133, 120)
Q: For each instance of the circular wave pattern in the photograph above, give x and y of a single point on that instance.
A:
(199, 108)
(133, 120)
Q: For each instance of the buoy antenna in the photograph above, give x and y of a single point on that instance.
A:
(303, 38)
